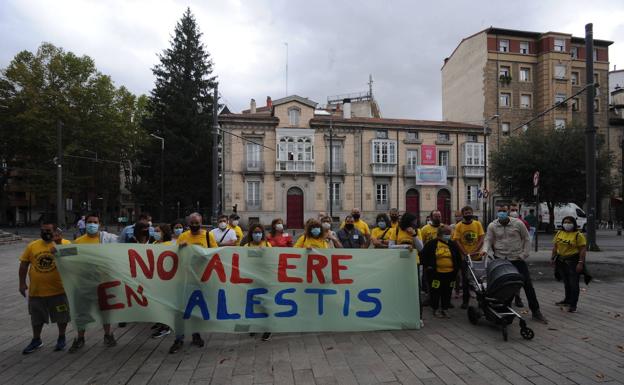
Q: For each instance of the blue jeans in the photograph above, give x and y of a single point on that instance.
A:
(567, 269)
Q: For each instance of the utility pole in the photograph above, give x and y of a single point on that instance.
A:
(60, 215)
(590, 141)
(214, 187)
(162, 176)
(331, 169)
(286, 44)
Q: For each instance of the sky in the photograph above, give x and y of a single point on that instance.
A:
(333, 46)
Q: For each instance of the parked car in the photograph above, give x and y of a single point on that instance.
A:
(561, 211)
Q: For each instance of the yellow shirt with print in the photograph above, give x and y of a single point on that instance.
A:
(262, 244)
(315, 243)
(569, 243)
(468, 235)
(86, 239)
(194, 239)
(444, 259)
(428, 232)
(45, 280)
(402, 237)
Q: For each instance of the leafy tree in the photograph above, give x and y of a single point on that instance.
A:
(559, 156)
(38, 90)
(180, 111)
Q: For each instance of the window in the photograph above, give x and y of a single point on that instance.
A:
(471, 137)
(337, 156)
(381, 195)
(596, 81)
(444, 137)
(293, 116)
(596, 105)
(559, 98)
(412, 135)
(503, 45)
(524, 47)
(253, 193)
(505, 128)
(525, 74)
(295, 153)
(471, 194)
(575, 104)
(473, 154)
(559, 45)
(525, 101)
(384, 151)
(574, 78)
(574, 52)
(333, 192)
(253, 155)
(504, 71)
(505, 99)
(595, 54)
(560, 124)
(412, 159)
(443, 158)
(382, 134)
(560, 71)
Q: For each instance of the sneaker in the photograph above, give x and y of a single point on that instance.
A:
(161, 332)
(572, 309)
(266, 337)
(109, 340)
(539, 317)
(436, 313)
(60, 344)
(77, 345)
(519, 302)
(122, 324)
(32, 346)
(562, 303)
(197, 340)
(177, 345)
(464, 305)
(444, 314)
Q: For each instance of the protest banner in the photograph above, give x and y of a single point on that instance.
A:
(238, 289)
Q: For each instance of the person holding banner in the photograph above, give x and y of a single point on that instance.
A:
(381, 235)
(178, 229)
(257, 237)
(330, 235)
(407, 234)
(46, 296)
(94, 236)
(222, 235)
(359, 224)
(312, 237)
(277, 236)
(441, 259)
(194, 235)
(141, 234)
(162, 234)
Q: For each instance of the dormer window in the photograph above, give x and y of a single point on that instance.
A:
(294, 113)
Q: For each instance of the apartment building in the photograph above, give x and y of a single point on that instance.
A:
(276, 161)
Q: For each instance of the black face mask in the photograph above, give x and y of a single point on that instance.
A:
(349, 226)
(468, 218)
(394, 218)
(436, 222)
(194, 228)
(356, 216)
(46, 236)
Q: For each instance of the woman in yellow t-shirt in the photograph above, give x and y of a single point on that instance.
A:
(381, 235)
(568, 255)
(312, 237)
(257, 236)
(163, 235)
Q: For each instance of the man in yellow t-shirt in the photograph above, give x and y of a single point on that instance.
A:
(469, 236)
(194, 235)
(46, 295)
(234, 225)
(430, 230)
(394, 217)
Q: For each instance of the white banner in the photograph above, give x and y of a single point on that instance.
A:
(431, 175)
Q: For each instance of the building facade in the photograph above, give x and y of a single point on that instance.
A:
(276, 163)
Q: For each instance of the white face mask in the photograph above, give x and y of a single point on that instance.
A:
(568, 226)
(279, 227)
(234, 223)
(326, 225)
(222, 225)
(513, 214)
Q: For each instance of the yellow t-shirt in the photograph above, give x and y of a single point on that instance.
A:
(378, 233)
(167, 243)
(65, 241)
(468, 235)
(194, 239)
(444, 259)
(360, 225)
(262, 244)
(428, 232)
(45, 280)
(87, 239)
(315, 243)
(394, 225)
(239, 233)
(569, 242)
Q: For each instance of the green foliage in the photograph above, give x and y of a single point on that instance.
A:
(559, 156)
(180, 111)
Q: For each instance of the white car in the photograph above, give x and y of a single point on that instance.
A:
(562, 211)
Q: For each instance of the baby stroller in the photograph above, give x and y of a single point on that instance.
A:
(495, 282)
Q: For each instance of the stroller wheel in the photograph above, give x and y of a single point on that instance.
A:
(527, 333)
(473, 315)
(505, 337)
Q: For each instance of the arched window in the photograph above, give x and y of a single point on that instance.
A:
(295, 153)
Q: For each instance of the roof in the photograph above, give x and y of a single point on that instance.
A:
(295, 98)
(404, 123)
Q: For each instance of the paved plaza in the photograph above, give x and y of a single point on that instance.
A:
(582, 348)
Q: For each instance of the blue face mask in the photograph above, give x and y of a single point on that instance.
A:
(502, 215)
(92, 228)
(178, 231)
(381, 225)
(257, 237)
(316, 231)
(151, 231)
(157, 236)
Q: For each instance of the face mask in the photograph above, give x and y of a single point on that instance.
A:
(349, 226)
(468, 218)
(234, 223)
(178, 231)
(92, 228)
(316, 231)
(326, 225)
(446, 237)
(568, 226)
(151, 231)
(279, 227)
(502, 215)
(194, 228)
(157, 236)
(222, 225)
(394, 218)
(46, 236)
(381, 225)
(429, 222)
(257, 237)
(435, 222)
(356, 216)
(514, 214)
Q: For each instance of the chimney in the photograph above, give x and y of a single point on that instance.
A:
(346, 109)
(253, 106)
(269, 103)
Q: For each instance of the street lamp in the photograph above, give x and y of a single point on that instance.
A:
(162, 175)
(486, 132)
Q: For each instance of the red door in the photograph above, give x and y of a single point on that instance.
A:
(412, 204)
(444, 205)
(294, 208)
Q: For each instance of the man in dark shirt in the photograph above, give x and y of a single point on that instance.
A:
(350, 237)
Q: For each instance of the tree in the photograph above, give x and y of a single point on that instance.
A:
(38, 90)
(559, 156)
(180, 111)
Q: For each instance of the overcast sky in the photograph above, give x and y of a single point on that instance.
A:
(333, 46)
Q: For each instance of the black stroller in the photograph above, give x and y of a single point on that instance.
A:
(495, 282)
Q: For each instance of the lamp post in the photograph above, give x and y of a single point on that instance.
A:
(162, 175)
(486, 132)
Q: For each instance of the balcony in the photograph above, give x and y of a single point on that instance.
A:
(253, 205)
(473, 171)
(383, 169)
(339, 168)
(336, 206)
(253, 167)
(294, 168)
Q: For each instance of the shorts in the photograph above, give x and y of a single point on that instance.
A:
(53, 309)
